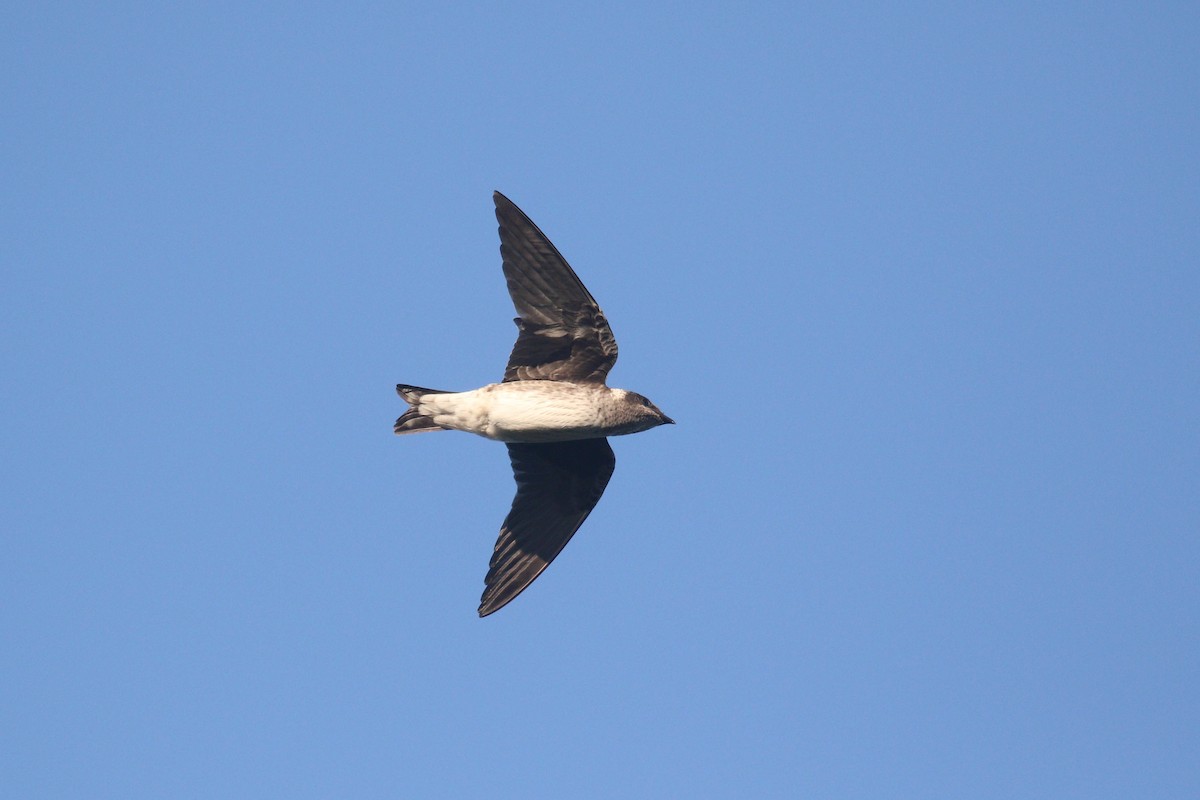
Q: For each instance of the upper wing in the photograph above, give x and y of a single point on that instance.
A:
(563, 334)
(558, 485)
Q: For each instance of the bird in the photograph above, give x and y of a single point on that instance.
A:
(553, 409)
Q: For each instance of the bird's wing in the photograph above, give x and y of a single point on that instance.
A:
(558, 485)
(563, 333)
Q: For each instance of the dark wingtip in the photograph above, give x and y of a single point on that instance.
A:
(489, 606)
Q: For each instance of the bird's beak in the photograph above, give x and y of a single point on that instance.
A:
(667, 420)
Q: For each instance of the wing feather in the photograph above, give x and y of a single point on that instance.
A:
(558, 485)
(562, 333)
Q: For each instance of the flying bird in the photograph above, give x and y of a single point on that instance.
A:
(552, 410)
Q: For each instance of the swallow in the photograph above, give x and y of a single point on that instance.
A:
(553, 410)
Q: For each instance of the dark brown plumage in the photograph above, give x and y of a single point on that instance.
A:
(558, 485)
(563, 335)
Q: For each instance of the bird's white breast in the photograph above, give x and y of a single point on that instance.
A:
(522, 411)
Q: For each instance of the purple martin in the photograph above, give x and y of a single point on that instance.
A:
(553, 409)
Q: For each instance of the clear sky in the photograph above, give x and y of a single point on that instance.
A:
(919, 282)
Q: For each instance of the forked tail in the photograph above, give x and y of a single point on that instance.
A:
(412, 421)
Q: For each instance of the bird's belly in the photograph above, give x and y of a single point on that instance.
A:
(520, 412)
(536, 435)
(555, 415)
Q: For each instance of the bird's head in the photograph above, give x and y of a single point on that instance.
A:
(643, 412)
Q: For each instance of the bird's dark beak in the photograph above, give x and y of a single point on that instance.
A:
(667, 420)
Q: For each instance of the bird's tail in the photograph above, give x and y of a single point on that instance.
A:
(412, 421)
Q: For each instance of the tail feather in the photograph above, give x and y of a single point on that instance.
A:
(411, 421)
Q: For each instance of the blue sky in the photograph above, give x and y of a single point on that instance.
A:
(919, 284)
